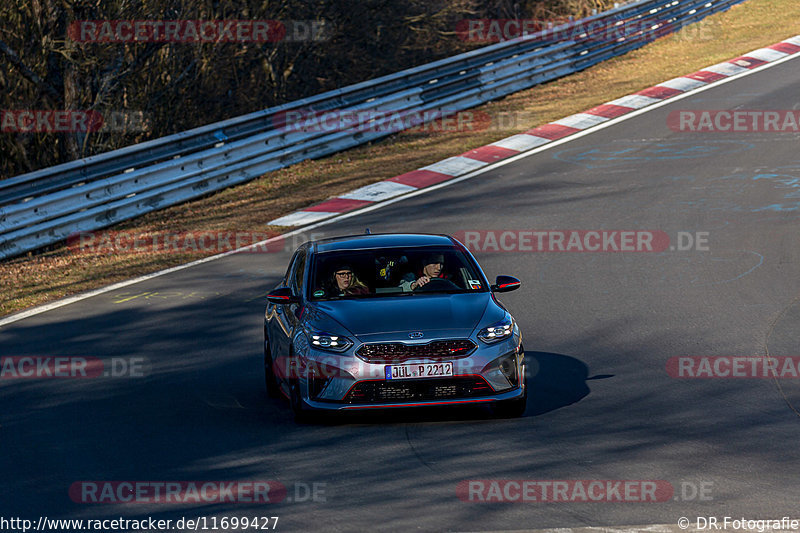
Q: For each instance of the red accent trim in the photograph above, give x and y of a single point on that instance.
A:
(706, 76)
(490, 153)
(786, 48)
(552, 131)
(504, 285)
(659, 92)
(749, 62)
(338, 205)
(609, 110)
(420, 178)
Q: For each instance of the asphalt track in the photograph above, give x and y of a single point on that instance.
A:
(600, 327)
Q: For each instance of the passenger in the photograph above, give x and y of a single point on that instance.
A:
(344, 282)
(433, 268)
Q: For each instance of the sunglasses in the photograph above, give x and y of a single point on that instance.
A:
(343, 274)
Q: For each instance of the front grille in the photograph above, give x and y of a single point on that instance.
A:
(418, 390)
(393, 352)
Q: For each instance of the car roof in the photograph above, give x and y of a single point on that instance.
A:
(381, 240)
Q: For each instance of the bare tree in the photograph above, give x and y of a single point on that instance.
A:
(180, 85)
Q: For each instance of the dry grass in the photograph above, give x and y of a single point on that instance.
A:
(47, 276)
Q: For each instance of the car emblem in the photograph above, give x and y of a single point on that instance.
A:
(415, 335)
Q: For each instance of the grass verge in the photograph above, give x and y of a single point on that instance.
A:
(47, 276)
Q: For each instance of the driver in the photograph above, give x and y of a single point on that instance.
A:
(433, 268)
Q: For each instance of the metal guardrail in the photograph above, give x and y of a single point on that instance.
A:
(49, 205)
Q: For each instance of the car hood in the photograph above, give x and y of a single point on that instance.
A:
(385, 318)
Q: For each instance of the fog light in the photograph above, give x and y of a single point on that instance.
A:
(508, 366)
(502, 372)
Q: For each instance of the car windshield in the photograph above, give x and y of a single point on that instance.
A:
(390, 272)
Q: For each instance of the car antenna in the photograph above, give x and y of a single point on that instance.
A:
(367, 232)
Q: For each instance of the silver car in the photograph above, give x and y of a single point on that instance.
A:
(390, 321)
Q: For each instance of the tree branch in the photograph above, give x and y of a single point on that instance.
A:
(28, 74)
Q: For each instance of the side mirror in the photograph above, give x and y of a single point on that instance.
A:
(282, 296)
(506, 284)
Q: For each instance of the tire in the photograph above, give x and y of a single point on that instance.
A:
(301, 414)
(270, 383)
(511, 408)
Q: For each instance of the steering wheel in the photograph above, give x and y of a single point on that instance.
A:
(437, 284)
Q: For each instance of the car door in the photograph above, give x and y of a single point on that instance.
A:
(286, 316)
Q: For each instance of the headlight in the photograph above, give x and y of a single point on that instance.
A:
(497, 332)
(328, 341)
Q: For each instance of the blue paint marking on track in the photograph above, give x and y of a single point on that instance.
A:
(734, 192)
(665, 269)
(743, 274)
(644, 151)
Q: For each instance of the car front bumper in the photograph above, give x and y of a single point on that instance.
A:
(339, 406)
(347, 382)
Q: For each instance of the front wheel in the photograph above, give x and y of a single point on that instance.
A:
(301, 413)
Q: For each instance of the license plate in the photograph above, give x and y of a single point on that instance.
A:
(419, 370)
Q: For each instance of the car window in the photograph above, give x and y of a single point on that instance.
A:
(298, 268)
(387, 272)
(287, 278)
